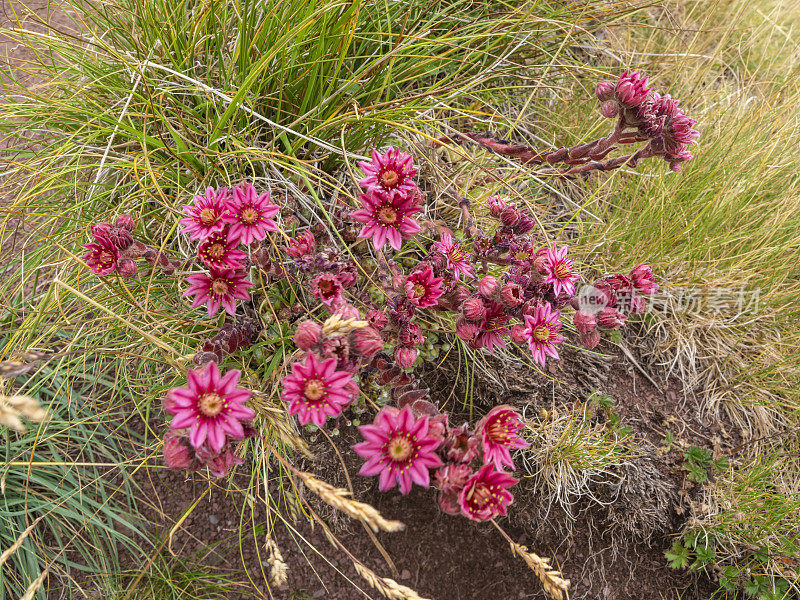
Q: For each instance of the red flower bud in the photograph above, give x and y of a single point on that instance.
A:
(405, 356)
(178, 453)
(411, 335)
(509, 216)
(125, 222)
(496, 205)
(610, 318)
(466, 330)
(605, 90)
(609, 109)
(307, 335)
(367, 341)
(591, 339)
(643, 279)
(474, 309)
(518, 334)
(488, 286)
(584, 322)
(126, 267)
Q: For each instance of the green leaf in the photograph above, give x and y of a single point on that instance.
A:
(678, 556)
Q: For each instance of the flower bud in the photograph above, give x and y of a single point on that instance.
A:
(605, 90)
(302, 245)
(518, 334)
(584, 322)
(488, 286)
(405, 356)
(126, 267)
(367, 341)
(591, 339)
(125, 222)
(121, 238)
(643, 279)
(474, 309)
(496, 205)
(610, 318)
(511, 295)
(307, 335)
(348, 311)
(466, 330)
(178, 454)
(609, 109)
(101, 231)
(509, 216)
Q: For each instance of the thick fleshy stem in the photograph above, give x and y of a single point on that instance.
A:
(630, 160)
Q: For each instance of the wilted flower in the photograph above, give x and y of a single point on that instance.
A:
(466, 330)
(377, 318)
(391, 171)
(422, 288)
(302, 245)
(398, 449)
(486, 495)
(211, 406)
(205, 213)
(457, 259)
(327, 288)
(590, 339)
(559, 271)
(218, 288)
(250, 214)
(125, 222)
(450, 480)
(307, 334)
(102, 256)
(460, 445)
(541, 330)
(410, 334)
(387, 216)
(498, 434)
(219, 250)
(316, 390)
(511, 295)
(219, 463)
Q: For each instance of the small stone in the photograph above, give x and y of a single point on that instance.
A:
(214, 520)
(405, 575)
(320, 593)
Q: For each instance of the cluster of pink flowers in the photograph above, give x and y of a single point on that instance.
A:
(209, 415)
(322, 385)
(655, 117)
(222, 220)
(402, 446)
(607, 304)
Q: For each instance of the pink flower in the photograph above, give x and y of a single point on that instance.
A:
(211, 406)
(102, 256)
(250, 214)
(398, 449)
(541, 330)
(631, 89)
(494, 327)
(316, 390)
(327, 288)
(486, 494)
(498, 433)
(559, 271)
(218, 250)
(392, 171)
(220, 287)
(302, 245)
(205, 214)
(457, 259)
(422, 288)
(387, 217)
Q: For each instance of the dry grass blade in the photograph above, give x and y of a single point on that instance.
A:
(388, 588)
(339, 499)
(18, 543)
(278, 568)
(555, 585)
(34, 586)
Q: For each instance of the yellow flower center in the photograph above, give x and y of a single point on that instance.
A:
(390, 178)
(479, 494)
(541, 333)
(250, 216)
(208, 216)
(314, 390)
(106, 258)
(216, 250)
(211, 404)
(387, 215)
(562, 271)
(419, 290)
(400, 448)
(219, 287)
